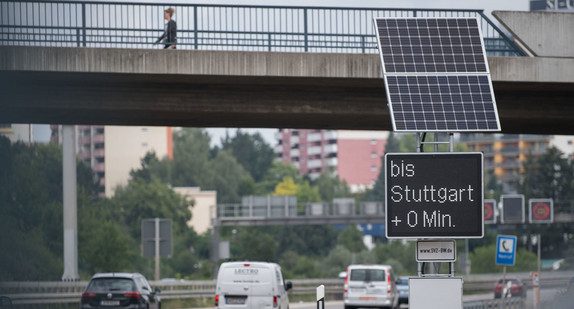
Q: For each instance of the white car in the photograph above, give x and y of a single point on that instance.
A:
(370, 286)
(251, 285)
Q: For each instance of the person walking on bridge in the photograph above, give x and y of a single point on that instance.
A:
(169, 35)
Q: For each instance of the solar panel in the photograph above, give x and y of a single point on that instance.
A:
(436, 75)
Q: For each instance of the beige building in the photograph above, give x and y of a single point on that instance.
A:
(203, 211)
(124, 149)
(113, 151)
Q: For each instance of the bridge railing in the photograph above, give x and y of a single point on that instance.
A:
(215, 27)
(287, 206)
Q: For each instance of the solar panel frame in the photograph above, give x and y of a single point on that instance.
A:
(425, 65)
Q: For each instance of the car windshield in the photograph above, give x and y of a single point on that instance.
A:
(368, 275)
(110, 285)
(513, 281)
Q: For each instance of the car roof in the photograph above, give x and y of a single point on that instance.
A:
(255, 263)
(117, 275)
(368, 266)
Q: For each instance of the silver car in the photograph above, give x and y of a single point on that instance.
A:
(370, 286)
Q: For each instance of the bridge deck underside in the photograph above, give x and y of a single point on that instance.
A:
(249, 101)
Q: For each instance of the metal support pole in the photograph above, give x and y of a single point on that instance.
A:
(195, 31)
(215, 249)
(467, 260)
(538, 243)
(157, 249)
(84, 39)
(306, 30)
(70, 204)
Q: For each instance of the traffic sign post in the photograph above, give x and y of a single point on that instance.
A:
(505, 250)
(157, 240)
(505, 255)
(540, 210)
(535, 287)
(434, 195)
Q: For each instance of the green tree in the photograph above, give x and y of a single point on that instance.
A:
(330, 187)
(226, 177)
(309, 240)
(286, 187)
(400, 256)
(483, 261)
(548, 176)
(142, 200)
(31, 206)
(103, 246)
(253, 244)
(190, 157)
(352, 239)
(336, 261)
(408, 143)
(251, 151)
(307, 194)
(275, 175)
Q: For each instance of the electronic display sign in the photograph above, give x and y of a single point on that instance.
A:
(434, 195)
(512, 208)
(541, 210)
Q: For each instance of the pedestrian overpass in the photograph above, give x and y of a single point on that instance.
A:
(257, 66)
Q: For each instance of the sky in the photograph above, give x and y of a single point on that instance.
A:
(42, 131)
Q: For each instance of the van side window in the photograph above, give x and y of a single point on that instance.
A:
(279, 278)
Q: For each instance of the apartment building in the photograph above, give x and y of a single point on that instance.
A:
(505, 153)
(113, 151)
(355, 156)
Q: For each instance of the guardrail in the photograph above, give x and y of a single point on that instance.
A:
(507, 303)
(70, 292)
(226, 27)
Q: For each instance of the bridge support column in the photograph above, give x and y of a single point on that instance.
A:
(70, 204)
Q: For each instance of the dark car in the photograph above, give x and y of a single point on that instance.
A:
(120, 290)
(511, 287)
(403, 288)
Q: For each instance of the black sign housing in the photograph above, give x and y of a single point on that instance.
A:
(512, 208)
(434, 195)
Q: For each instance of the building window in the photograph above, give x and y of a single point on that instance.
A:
(144, 145)
(373, 168)
(144, 130)
(373, 154)
(373, 142)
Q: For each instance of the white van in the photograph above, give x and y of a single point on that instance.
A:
(370, 286)
(253, 285)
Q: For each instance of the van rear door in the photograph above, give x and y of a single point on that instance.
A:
(263, 288)
(245, 285)
(234, 284)
(367, 284)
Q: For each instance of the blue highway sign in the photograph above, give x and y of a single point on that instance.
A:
(505, 250)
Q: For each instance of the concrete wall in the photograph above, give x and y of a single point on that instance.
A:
(544, 34)
(250, 89)
(233, 63)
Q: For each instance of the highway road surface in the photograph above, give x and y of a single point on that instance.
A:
(546, 295)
